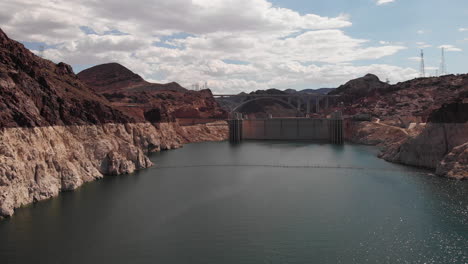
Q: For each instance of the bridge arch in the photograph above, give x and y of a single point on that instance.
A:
(263, 98)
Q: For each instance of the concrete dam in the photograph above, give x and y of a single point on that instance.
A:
(316, 129)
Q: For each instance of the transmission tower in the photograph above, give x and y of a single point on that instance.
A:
(443, 66)
(422, 68)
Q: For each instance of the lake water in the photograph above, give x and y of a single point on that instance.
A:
(257, 202)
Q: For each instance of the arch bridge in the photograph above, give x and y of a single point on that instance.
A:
(295, 101)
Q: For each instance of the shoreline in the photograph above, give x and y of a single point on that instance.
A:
(41, 162)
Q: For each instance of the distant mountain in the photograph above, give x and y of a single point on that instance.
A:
(319, 90)
(113, 77)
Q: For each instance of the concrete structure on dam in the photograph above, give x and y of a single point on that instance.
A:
(317, 129)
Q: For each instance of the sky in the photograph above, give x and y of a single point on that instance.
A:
(245, 45)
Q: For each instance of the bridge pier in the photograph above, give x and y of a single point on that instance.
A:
(235, 130)
(317, 104)
(335, 128)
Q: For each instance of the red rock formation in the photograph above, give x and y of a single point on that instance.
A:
(146, 101)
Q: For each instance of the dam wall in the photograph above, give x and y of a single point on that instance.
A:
(286, 129)
(330, 130)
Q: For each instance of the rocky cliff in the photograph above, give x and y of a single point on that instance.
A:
(56, 133)
(440, 145)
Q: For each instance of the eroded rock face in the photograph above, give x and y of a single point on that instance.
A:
(455, 164)
(439, 145)
(38, 163)
(431, 146)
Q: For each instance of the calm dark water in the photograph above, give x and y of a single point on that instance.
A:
(249, 214)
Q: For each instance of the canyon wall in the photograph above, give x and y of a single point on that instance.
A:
(57, 133)
(37, 163)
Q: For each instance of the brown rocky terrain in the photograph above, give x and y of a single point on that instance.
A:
(367, 86)
(400, 112)
(146, 101)
(113, 77)
(37, 92)
(56, 133)
(405, 102)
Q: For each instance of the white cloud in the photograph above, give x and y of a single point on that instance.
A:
(450, 48)
(420, 32)
(414, 58)
(463, 29)
(383, 2)
(423, 45)
(279, 47)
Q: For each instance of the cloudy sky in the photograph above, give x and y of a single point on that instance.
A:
(243, 45)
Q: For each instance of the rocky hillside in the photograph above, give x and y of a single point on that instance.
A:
(56, 133)
(113, 77)
(421, 122)
(405, 102)
(146, 101)
(37, 92)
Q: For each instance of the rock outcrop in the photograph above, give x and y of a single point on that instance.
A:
(455, 164)
(366, 86)
(440, 146)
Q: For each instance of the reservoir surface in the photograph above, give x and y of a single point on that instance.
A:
(256, 202)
